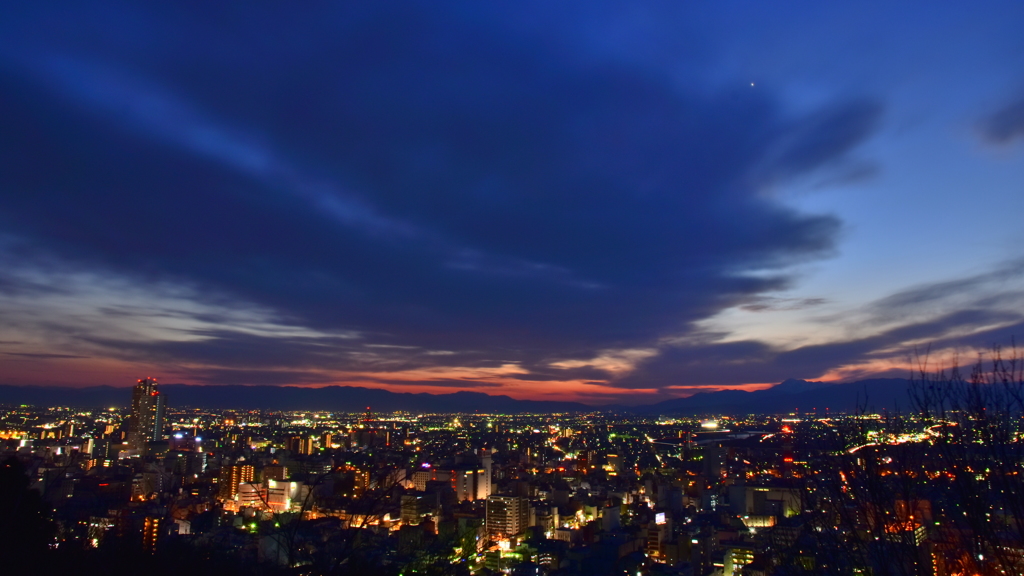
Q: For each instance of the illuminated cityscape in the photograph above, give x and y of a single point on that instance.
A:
(541, 494)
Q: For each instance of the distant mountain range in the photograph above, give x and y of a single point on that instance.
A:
(791, 395)
(334, 398)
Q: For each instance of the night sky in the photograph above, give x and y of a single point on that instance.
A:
(603, 202)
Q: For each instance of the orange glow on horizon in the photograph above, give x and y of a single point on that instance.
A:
(508, 379)
(497, 380)
(698, 388)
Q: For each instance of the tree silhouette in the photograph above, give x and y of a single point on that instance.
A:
(937, 489)
(25, 531)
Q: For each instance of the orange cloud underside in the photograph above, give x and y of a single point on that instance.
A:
(499, 380)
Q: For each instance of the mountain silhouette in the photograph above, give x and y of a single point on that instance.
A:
(802, 396)
(788, 396)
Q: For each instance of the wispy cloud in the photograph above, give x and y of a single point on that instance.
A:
(1005, 124)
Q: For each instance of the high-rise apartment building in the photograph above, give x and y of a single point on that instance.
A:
(362, 482)
(507, 516)
(146, 422)
(230, 477)
(300, 445)
(151, 532)
(487, 460)
(468, 483)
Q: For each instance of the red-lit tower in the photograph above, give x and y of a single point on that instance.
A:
(787, 452)
(146, 422)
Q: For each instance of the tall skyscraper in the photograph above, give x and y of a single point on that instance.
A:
(146, 422)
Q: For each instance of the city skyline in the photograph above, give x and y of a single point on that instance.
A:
(590, 202)
(575, 493)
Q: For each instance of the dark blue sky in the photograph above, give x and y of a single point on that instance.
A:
(598, 201)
